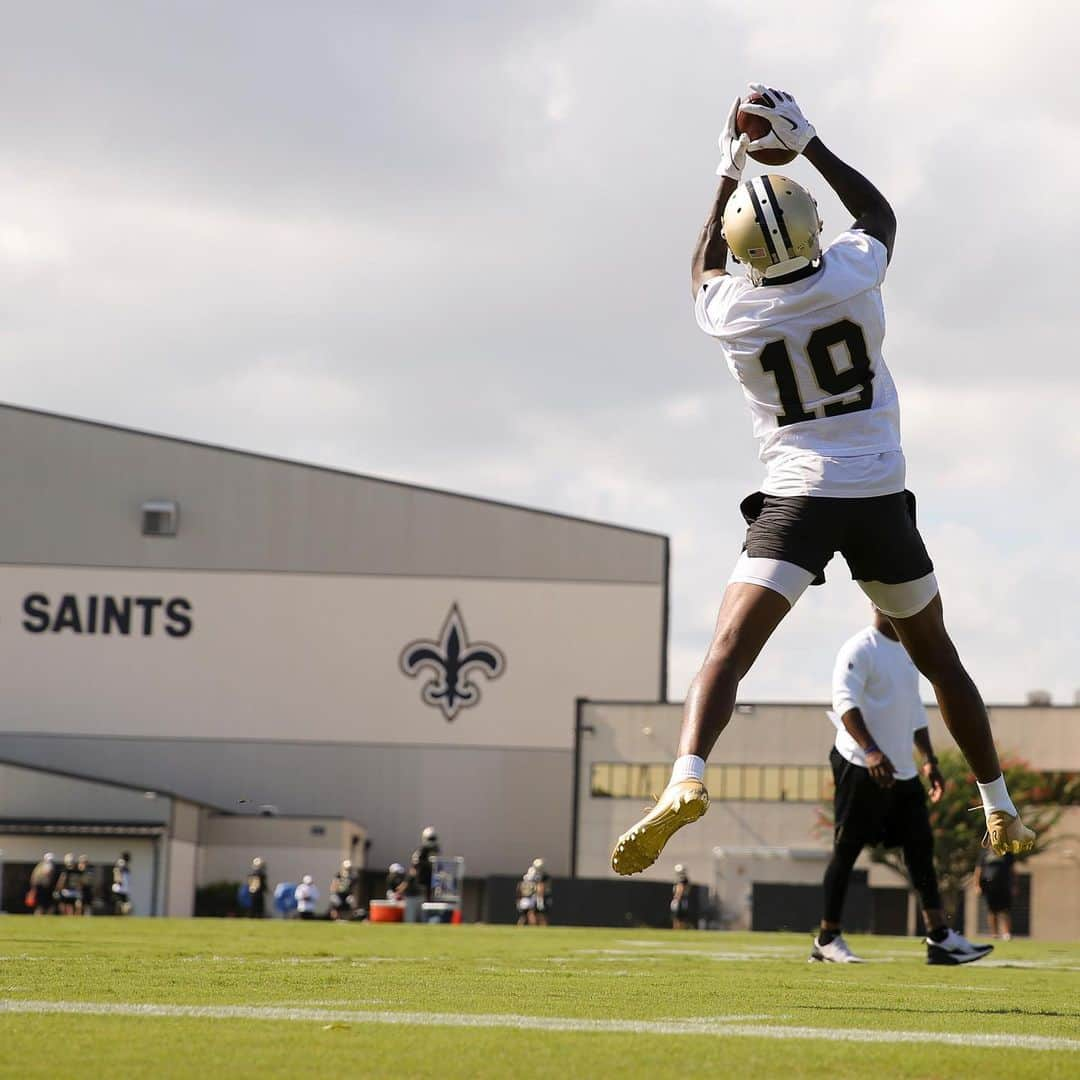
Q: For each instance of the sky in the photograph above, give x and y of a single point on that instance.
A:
(450, 244)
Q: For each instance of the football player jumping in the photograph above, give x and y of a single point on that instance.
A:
(802, 335)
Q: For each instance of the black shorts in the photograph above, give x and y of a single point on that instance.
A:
(997, 892)
(876, 536)
(866, 813)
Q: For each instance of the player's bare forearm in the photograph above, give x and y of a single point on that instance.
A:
(869, 208)
(881, 768)
(711, 252)
(930, 768)
(856, 727)
(922, 744)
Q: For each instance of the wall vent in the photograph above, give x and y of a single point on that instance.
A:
(160, 517)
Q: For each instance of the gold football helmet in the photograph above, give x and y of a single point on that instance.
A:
(772, 225)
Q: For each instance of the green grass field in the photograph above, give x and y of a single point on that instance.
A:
(208, 998)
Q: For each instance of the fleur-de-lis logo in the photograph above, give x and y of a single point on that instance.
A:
(452, 659)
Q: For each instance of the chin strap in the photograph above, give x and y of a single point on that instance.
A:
(788, 266)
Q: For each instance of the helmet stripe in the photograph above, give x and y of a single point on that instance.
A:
(763, 224)
(775, 204)
(767, 219)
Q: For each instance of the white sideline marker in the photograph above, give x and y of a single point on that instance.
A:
(719, 1025)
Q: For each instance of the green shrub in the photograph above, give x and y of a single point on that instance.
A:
(218, 899)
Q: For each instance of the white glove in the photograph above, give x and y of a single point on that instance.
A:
(733, 147)
(790, 129)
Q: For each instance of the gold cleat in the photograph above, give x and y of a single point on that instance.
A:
(640, 847)
(1006, 834)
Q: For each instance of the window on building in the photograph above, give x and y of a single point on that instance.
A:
(768, 783)
(600, 787)
(810, 783)
(714, 780)
(770, 789)
(726, 783)
(620, 781)
(751, 783)
(790, 784)
(733, 786)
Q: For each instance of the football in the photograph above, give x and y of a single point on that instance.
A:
(757, 127)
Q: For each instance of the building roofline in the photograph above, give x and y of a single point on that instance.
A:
(282, 816)
(826, 705)
(241, 739)
(501, 504)
(65, 826)
(105, 781)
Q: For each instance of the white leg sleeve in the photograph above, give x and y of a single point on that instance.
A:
(789, 580)
(903, 600)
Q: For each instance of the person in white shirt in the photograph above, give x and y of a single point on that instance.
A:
(526, 899)
(307, 896)
(121, 885)
(879, 798)
(802, 334)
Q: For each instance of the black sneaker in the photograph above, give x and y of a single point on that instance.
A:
(955, 949)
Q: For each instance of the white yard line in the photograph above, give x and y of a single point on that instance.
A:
(1041, 965)
(726, 1026)
(350, 1002)
(682, 947)
(618, 956)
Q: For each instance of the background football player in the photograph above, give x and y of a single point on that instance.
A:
(680, 899)
(544, 892)
(526, 898)
(257, 888)
(395, 881)
(802, 335)
(878, 797)
(343, 891)
(421, 859)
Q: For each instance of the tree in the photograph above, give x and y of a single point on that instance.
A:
(959, 827)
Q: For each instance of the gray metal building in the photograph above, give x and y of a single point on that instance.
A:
(246, 631)
(769, 779)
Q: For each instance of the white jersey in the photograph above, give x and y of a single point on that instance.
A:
(307, 896)
(875, 675)
(807, 355)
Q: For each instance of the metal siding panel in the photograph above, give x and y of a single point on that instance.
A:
(498, 808)
(78, 487)
(36, 796)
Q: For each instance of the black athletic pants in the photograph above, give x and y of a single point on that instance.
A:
(868, 814)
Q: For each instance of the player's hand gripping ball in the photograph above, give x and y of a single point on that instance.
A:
(757, 127)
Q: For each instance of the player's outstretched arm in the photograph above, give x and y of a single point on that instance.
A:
(790, 130)
(711, 250)
(869, 208)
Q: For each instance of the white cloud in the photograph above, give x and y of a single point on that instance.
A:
(471, 228)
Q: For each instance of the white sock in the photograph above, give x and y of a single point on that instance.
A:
(995, 796)
(688, 767)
